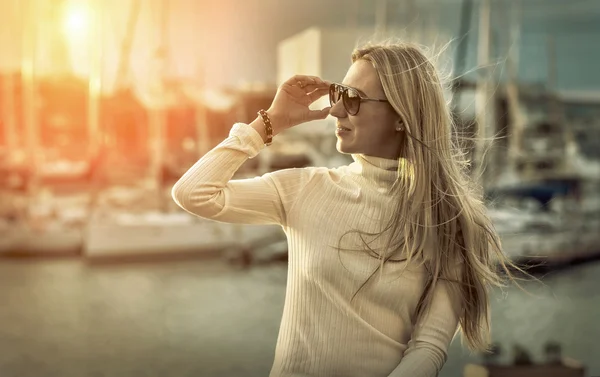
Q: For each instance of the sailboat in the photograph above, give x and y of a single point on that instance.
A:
(132, 214)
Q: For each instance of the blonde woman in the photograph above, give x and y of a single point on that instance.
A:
(390, 255)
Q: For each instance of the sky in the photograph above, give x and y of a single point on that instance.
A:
(227, 42)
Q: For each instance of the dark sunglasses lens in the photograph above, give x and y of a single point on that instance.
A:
(351, 101)
(333, 94)
(339, 91)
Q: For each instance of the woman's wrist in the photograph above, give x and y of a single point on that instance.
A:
(259, 126)
(277, 124)
(278, 121)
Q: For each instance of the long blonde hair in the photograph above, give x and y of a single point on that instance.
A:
(441, 217)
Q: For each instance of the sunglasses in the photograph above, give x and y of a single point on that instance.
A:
(351, 98)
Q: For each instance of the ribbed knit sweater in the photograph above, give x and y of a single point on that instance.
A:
(324, 331)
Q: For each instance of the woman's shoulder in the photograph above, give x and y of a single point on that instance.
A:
(328, 174)
(306, 178)
(310, 173)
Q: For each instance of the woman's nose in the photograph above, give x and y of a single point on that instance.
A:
(338, 110)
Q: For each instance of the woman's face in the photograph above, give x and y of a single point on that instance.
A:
(373, 130)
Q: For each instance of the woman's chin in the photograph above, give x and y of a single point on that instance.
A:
(343, 147)
(339, 145)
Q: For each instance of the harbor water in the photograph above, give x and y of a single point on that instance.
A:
(66, 317)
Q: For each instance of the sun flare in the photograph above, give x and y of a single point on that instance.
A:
(77, 20)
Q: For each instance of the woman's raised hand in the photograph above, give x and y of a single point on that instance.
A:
(291, 104)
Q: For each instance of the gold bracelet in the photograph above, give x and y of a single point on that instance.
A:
(268, 127)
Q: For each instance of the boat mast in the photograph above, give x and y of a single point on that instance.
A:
(95, 79)
(159, 106)
(381, 17)
(125, 55)
(482, 97)
(202, 133)
(9, 119)
(512, 88)
(28, 55)
(8, 115)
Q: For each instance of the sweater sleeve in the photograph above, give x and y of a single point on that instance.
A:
(428, 348)
(207, 190)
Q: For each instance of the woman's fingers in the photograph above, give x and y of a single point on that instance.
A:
(308, 93)
(302, 81)
(296, 95)
(319, 114)
(318, 93)
(311, 88)
(296, 80)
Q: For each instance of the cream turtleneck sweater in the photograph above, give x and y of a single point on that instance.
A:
(323, 333)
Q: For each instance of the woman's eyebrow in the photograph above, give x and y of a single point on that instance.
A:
(358, 90)
(361, 92)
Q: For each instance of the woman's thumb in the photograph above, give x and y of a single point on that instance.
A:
(319, 114)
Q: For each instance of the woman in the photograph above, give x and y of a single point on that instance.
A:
(388, 256)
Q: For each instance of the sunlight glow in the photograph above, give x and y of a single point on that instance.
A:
(79, 27)
(77, 20)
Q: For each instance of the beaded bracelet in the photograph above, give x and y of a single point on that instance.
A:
(268, 127)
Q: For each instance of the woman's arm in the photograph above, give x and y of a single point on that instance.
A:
(428, 347)
(206, 189)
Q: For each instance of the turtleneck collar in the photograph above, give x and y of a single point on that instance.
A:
(381, 171)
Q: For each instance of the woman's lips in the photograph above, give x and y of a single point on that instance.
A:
(342, 130)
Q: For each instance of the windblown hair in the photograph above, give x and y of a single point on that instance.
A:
(440, 219)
